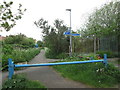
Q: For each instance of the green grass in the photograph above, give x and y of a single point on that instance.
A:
(94, 74)
(20, 81)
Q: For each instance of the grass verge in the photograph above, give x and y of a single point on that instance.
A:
(94, 74)
(20, 81)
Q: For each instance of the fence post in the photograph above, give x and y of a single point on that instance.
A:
(10, 68)
(105, 60)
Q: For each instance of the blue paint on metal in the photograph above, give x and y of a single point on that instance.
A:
(75, 34)
(105, 60)
(60, 63)
(11, 65)
(10, 68)
(36, 45)
(67, 33)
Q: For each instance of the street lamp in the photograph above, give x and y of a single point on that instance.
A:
(70, 52)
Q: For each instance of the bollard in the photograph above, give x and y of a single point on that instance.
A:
(105, 60)
(10, 68)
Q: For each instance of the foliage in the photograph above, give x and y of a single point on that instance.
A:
(7, 49)
(19, 41)
(103, 22)
(109, 53)
(20, 56)
(53, 37)
(40, 43)
(62, 56)
(94, 74)
(7, 17)
(19, 48)
(82, 44)
(80, 57)
(50, 54)
(20, 81)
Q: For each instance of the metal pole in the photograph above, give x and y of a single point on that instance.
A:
(70, 36)
(59, 63)
(70, 52)
(10, 68)
(105, 60)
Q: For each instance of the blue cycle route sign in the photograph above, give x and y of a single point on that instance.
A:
(73, 34)
(67, 33)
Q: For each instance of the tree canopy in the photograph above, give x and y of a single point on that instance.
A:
(104, 21)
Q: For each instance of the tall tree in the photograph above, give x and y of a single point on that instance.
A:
(53, 36)
(104, 22)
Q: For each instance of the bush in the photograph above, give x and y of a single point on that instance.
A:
(20, 81)
(20, 56)
(50, 54)
(7, 49)
(109, 53)
(62, 56)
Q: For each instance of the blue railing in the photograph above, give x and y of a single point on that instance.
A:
(11, 65)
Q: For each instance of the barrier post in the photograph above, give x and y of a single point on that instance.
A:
(10, 68)
(105, 60)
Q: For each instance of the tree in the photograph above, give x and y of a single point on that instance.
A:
(7, 17)
(104, 22)
(53, 36)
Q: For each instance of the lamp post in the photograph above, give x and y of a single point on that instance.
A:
(70, 52)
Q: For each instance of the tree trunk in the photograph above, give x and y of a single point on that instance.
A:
(98, 44)
(94, 45)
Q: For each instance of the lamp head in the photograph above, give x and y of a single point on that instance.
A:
(68, 10)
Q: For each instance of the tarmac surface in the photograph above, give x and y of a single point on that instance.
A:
(46, 74)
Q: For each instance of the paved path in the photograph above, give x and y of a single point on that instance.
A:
(47, 75)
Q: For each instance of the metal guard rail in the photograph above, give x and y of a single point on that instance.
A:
(11, 65)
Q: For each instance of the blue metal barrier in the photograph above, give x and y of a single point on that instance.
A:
(10, 68)
(105, 60)
(11, 65)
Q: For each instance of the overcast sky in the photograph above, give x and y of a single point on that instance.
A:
(51, 10)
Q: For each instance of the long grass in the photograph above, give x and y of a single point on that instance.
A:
(94, 74)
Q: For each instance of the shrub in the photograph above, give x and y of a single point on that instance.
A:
(20, 81)
(7, 49)
(50, 54)
(62, 56)
(20, 56)
(109, 53)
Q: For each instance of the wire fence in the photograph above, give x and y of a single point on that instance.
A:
(110, 43)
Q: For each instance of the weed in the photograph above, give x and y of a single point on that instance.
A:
(20, 81)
